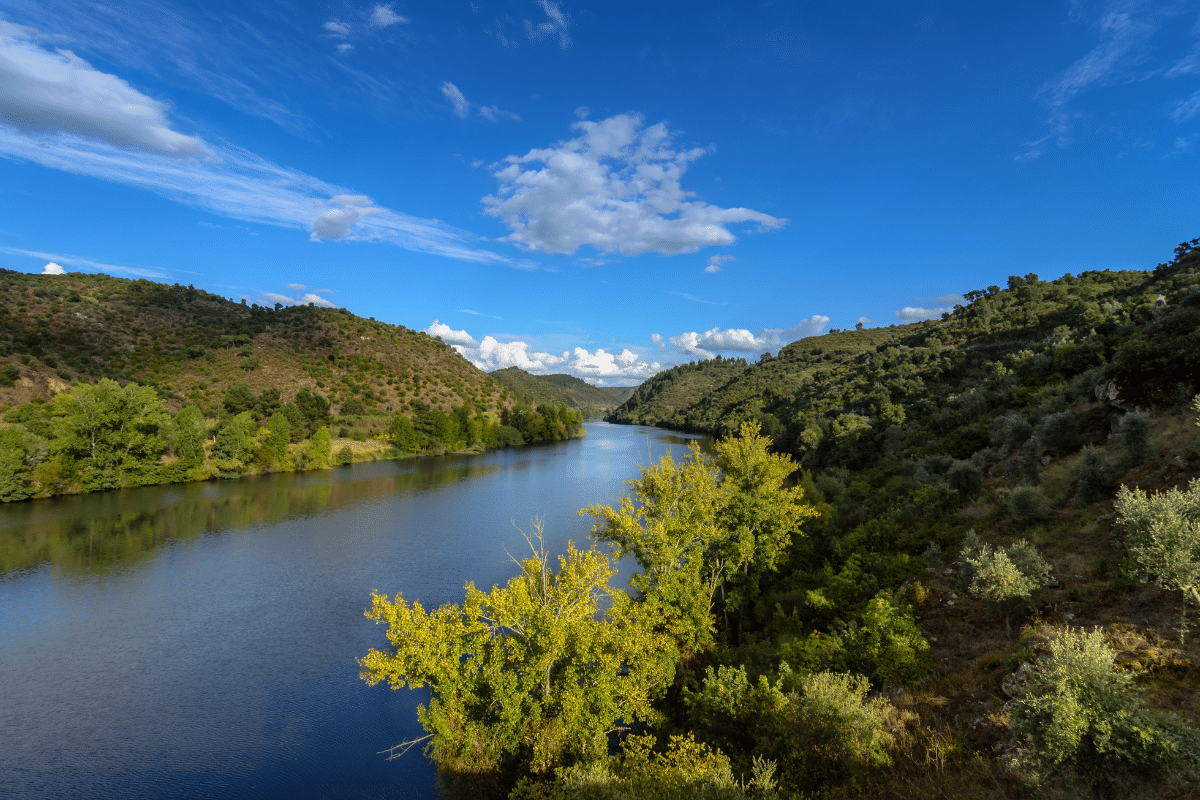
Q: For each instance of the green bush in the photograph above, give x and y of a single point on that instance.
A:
(1060, 432)
(345, 457)
(1080, 710)
(1134, 430)
(1007, 577)
(966, 479)
(1027, 505)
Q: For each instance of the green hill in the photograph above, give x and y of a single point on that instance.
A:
(191, 346)
(558, 389)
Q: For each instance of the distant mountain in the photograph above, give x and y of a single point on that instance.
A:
(558, 389)
(619, 393)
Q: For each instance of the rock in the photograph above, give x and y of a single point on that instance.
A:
(1108, 392)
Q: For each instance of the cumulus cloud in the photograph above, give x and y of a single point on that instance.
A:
(384, 16)
(451, 336)
(43, 91)
(616, 187)
(491, 354)
(334, 223)
(916, 314)
(53, 269)
(456, 98)
(555, 25)
(930, 308)
(741, 340)
(309, 299)
(715, 262)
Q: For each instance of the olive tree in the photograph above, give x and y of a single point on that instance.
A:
(1163, 535)
(1006, 577)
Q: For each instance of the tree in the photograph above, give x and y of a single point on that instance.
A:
(235, 441)
(313, 409)
(1163, 534)
(319, 447)
(759, 515)
(188, 434)
(113, 429)
(279, 434)
(403, 435)
(1006, 577)
(532, 672)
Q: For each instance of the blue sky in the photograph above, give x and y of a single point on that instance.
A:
(601, 189)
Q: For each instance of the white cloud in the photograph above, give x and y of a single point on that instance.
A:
(863, 320)
(616, 187)
(335, 223)
(715, 262)
(297, 287)
(493, 113)
(556, 25)
(53, 269)
(914, 314)
(42, 91)
(656, 338)
(492, 354)
(949, 299)
(450, 336)
(583, 112)
(338, 29)
(345, 47)
(309, 299)
(741, 340)
(384, 16)
(456, 98)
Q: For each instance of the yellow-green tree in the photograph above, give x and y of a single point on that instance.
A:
(532, 673)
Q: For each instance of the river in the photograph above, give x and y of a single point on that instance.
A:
(199, 640)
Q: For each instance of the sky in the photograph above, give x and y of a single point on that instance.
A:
(604, 189)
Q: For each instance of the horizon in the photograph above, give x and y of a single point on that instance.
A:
(603, 193)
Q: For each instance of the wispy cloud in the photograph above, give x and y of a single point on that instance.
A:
(555, 26)
(383, 16)
(457, 101)
(694, 298)
(58, 111)
(615, 187)
(86, 263)
(494, 113)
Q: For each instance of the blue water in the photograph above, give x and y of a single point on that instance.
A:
(200, 640)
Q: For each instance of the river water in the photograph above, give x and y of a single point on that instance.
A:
(199, 640)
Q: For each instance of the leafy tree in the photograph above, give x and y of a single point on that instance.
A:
(111, 429)
(1080, 710)
(238, 398)
(1007, 577)
(760, 516)
(1134, 429)
(1091, 477)
(1060, 432)
(1163, 534)
(966, 479)
(532, 672)
(319, 447)
(313, 410)
(234, 442)
(1027, 505)
(279, 434)
(188, 434)
(403, 435)
(20, 453)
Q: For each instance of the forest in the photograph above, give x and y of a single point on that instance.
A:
(950, 559)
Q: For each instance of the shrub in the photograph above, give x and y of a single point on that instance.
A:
(1030, 461)
(1011, 430)
(9, 375)
(1059, 432)
(345, 456)
(1027, 505)
(1134, 430)
(1090, 474)
(1080, 710)
(966, 479)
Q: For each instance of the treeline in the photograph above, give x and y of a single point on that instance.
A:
(108, 435)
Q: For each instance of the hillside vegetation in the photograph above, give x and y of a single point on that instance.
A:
(106, 382)
(559, 389)
(962, 562)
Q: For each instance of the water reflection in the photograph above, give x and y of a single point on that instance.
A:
(93, 532)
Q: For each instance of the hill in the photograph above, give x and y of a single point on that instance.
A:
(558, 389)
(191, 346)
(618, 394)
